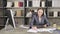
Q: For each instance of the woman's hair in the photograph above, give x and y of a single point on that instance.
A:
(40, 9)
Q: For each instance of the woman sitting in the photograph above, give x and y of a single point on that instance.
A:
(39, 20)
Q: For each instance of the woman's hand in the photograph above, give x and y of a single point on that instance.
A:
(34, 27)
(45, 25)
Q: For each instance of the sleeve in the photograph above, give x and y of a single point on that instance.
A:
(32, 21)
(47, 22)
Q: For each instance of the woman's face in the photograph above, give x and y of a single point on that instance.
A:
(40, 12)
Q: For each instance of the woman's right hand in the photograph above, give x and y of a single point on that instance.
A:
(34, 27)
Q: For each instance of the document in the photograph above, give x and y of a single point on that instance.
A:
(42, 30)
(32, 30)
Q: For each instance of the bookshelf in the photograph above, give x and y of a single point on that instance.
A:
(18, 10)
(34, 5)
(50, 7)
(22, 7)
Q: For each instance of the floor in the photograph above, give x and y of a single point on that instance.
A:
(10, 30)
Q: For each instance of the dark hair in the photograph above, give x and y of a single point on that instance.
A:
(40, 9)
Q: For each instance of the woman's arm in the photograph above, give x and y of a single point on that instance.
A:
(47, 22)
(32, 22)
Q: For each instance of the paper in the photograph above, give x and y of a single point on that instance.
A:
(32, 30)
(46, 29)
(50, 30)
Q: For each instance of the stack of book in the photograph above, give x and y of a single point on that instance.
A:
(32, 3)
(55, 14)
(49, 3)
(9, 4)
(35, 3)
(18, 4)
(55, 3)
(43, 4)
(19, 12)
(15, 3)
(51, 14)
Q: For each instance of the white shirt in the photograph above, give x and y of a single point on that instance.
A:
(39, 19)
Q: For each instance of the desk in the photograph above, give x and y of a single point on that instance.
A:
(22, 31)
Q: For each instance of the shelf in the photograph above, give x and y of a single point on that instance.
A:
(54, 17)
(35, 7)
(2, 25)
(1, 7)
(14, 16)
(3, 16)
(19, 16)
(14, 7)
(53, 7)
(29, 7)
(27, 17)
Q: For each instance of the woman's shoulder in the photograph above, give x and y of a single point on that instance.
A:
(44, 16)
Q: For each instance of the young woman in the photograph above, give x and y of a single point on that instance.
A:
(39, 20)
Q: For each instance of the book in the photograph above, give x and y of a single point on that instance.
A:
(51, 13)
(49, 3)
(55, 14)
(18, 13)
(59, 13)
(1, 3)
(55, 3)
(15, 3)
(20, 4)
(43, 4)
(9, 4)
(25, 3)
(30, 3)
(36, 3)
(5, 3)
